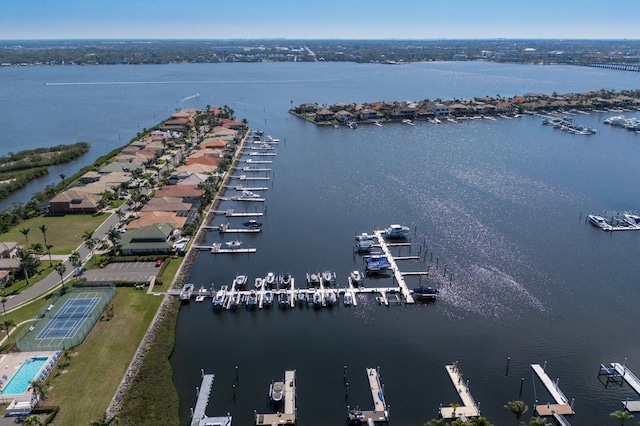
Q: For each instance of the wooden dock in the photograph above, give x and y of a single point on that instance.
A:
(245, 177)
(216, 248)
(253, 161)
(406, 293)
(561, 405)
(224, 229)
(246, 188)
(290, 414)
(380, 412)
(469, 407)
(632, 380)
(198, 416)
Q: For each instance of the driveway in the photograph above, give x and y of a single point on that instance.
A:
(124, 271)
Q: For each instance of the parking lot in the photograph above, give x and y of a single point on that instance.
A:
(123, 271)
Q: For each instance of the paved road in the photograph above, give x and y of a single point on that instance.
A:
(53, 279)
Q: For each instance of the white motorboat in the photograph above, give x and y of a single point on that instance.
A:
(632, 219)
(301, 297)
(396, 231)
(267, 298)
(234, 244)
(186, 292)
(328, 277)
(276, 392)
(241, 280)
(356, 277)
(283, 298)
(600, 222)
(331, 297)
(218, 299)
(252, 300)
(286, 280)
(269, 279)
(317, 299)
(259, 283)
(348, 298)
(363, 246)
(407, 121)
(249, 194)
(365, 237)
(313, 279)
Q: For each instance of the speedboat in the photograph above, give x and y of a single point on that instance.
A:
(301, 297)
(396, 231)
(267, 298)
(185, 293)
(234, 244)
(600, 222)
(259, 283)
(283, 298)
(423, 293)
(269, 279)
(286, 280)
(632, 219)
(331, 297)
(252, 300)
(276, 392)
(317, 299)
(249, 194)
(328, 277)
(348, 298)
(313, 279)
(241, 280)
(363, 246)
(365, 237)
(356, 277)
(407, 121)
(252, 224)
(377, 263)
(218, 299)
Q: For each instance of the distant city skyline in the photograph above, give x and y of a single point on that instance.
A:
(330, 19)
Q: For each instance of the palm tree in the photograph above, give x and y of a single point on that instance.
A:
(61, 269)
(24, 261)
(7, 324)
(621, 415)
(113, 236)
(3, 300)
(25, 232)
(74, 259)
(435, 422)
(38, 389)
(518, 408)
(480, 421)
(44, 230)
(539, 421)
(63, 177)
(89, 242)
(37, 248)
(455, 407)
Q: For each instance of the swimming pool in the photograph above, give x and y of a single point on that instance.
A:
(24, 376)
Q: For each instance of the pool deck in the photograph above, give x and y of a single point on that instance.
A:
(10, 363)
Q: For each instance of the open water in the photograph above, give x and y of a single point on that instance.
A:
(502, 204)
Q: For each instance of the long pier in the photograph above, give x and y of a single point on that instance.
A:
(469, 407)
(232, 213)
(561, 406)
(290, 414)
(198, 416)
(406, 293)
(224, 229)
(633, 381)
(245, 177)
(216, 248)
(380, 412)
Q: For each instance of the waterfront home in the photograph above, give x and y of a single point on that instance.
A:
(232, 124)
(459, 109)
(75, 201)
(152, 239)
(370, 115)
(212, 143)
(8, 249)
(188, 193)
(324, 115)
(121, 167)
(90, 177)
(344, 116)
(143, 219)
(168, 204)
(404, 113)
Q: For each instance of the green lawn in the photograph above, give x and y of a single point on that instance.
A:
(64, 232)
(99, 363)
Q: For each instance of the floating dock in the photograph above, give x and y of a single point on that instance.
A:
(561, 406)
(290, 414)
(469, 407)
(216, 248)
(245, 177)
(198, 416)
(224, 229)
(246, 188)
(380, 413)
(632, 380)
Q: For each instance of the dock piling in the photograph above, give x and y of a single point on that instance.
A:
(521, 383)
(506, 372)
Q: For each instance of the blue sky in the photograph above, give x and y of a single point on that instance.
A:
(352, 19)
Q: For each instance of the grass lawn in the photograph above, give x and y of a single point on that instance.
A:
(44, 270)
(64, 232)
(99, 363)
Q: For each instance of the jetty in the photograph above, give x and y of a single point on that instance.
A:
(290, 414)
(216, 248)
(246, 188)
(561, 406)
(469, 407)
(253, 161)
(198, 416)
(380, 412)
(224, 229)
(632, 380)
(245, 177)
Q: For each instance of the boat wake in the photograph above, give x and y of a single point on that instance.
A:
(190, 97)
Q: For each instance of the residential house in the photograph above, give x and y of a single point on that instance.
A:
(151, 218)
(324, 115)
(74, 201)
(8, 249)
(344, 116)
(152, 239)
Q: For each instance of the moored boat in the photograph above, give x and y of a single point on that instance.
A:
(218, 299)
(269, 279)
(600, 222)
(363, 246)
(252, 224)
(234, 244)
(186, 292)
(424, 293)
(348, 298)
(267, 298)
(396, 231)
(258, 283)
(328, 277)
(252, 299)
(283, 298)
(276, 392)
(241, 280)
(313, 279)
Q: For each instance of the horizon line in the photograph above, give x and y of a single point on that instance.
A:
(323, 39)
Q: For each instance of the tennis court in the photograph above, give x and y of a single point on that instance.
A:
(67, 319)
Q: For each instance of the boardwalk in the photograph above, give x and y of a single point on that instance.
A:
(561, 406)
(380, 413)
(198, 416)
(406, 293)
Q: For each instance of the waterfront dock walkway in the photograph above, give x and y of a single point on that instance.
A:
(561, 406)
(289, 416)
(633, 381)
(232, 213)
(198, 416)
(380, 413)
(406, 293)
(469, 407)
